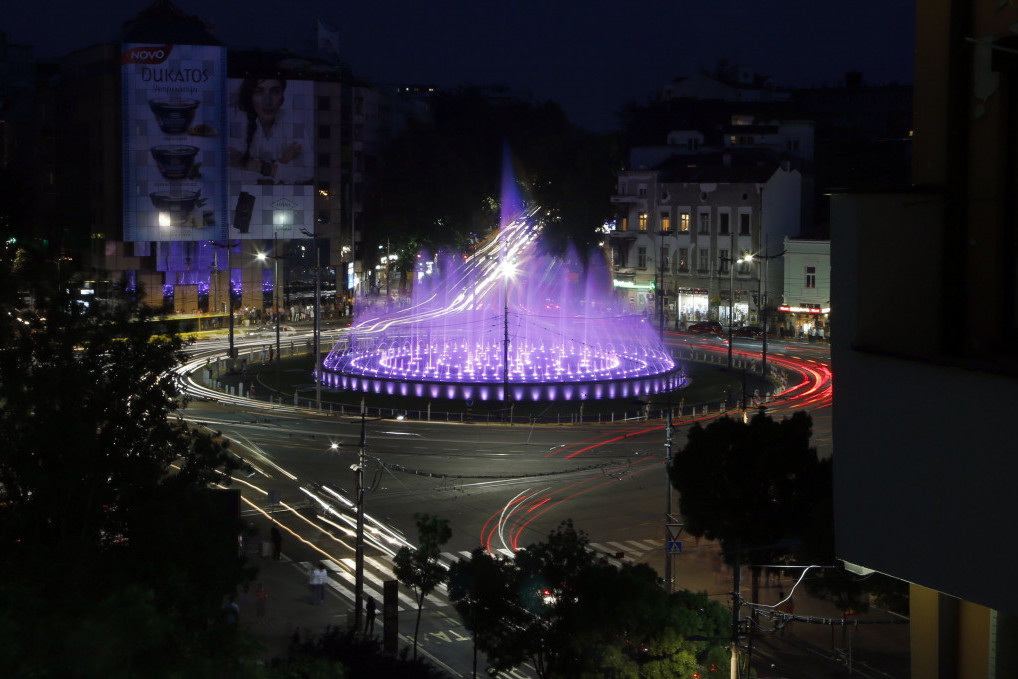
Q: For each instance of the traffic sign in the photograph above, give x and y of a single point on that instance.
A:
(674, 547)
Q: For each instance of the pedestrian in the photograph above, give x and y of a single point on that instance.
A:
(317, 577)
(261, 601)
(369, 619)
(313, 585)
(323, 580)
(231, 612)
(277, 542)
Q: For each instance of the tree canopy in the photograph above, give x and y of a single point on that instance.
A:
(419, 568)
(571, 613)
(757, 487)
(118, 549)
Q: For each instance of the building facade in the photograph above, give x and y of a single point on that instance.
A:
(805, 309)
(689, 228)
(924, 282)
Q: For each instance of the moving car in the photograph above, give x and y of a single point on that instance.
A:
(706, 328)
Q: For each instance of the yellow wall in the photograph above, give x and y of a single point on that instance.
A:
(930, 650)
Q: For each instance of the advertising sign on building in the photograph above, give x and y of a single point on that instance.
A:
(271, 157)
(174, 142)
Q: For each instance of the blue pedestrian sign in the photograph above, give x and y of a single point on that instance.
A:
(674, 547)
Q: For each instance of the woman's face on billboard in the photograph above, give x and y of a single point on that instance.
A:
(266, 100)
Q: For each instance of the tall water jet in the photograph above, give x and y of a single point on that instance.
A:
(508, 322)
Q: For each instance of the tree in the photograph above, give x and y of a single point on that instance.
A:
(419, 569)
(574, 614)
(758, 487)
(480, 589)
(118, 550)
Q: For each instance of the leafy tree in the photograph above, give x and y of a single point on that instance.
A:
(574, 614)
(419, 569)
(117, 552)
(757, 487)
(481, 589)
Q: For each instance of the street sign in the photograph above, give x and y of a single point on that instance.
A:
(674, 547)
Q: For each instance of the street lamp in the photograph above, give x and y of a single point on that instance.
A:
(359, 549)
(731, 296)
(763, 299)
(275, 299)
(318, 319)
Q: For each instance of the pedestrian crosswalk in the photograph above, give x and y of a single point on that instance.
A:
(378, 569)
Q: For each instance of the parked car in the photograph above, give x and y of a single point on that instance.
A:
(706, 328)
(751, 331)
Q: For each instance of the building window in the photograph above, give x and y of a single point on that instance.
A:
(323, 216)
(704, 223)
(724, 260)
(793, 144)
(324, 131)
(641, 258)
(642, 190)
(324, 104)
(622, 188)
(323, 160)
(703, 260)
(744, 224)
(666, 221)
(625, 224)
(324, 190)
(811, 277)
(684, 222)
(683, 259)
(723, 219)
(692, 144)
(642, 217)
(664, 259)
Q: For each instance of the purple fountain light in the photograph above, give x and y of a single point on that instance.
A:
(559, 325)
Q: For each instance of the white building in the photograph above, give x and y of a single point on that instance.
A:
(806, 300)
(682, 223)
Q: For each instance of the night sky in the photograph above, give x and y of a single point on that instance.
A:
(591, 57)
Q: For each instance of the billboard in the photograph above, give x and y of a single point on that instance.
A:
(174, 142)
(271, 157)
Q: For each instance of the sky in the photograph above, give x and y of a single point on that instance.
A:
(591, 57)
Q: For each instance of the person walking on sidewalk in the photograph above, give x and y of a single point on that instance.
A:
(277, 542)
(369, 619)
(261, 602)
(318, 577)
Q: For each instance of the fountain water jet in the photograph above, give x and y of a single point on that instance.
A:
(507, 317)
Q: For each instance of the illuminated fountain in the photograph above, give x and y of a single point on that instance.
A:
(556, 325)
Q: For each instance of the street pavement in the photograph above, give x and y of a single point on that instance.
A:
(804, 649)
(875, 644)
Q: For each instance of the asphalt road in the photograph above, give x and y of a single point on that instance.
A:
(501, 487)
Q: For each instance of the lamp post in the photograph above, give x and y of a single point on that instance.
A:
(763, 300)
(358, 602)
(731, 296)
(318, 319)
(275, 298)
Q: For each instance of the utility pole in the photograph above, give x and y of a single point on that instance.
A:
(359, 556)
(736, 603)
(668, 500)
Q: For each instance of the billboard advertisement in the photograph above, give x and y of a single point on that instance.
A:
(174, 142)
(271, 157)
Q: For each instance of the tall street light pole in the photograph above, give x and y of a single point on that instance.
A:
(358, 601)
(763, 299)
(317, 319)
(275, 298)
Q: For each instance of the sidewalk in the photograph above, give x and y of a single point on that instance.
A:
(803, 649)
(288, 610)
